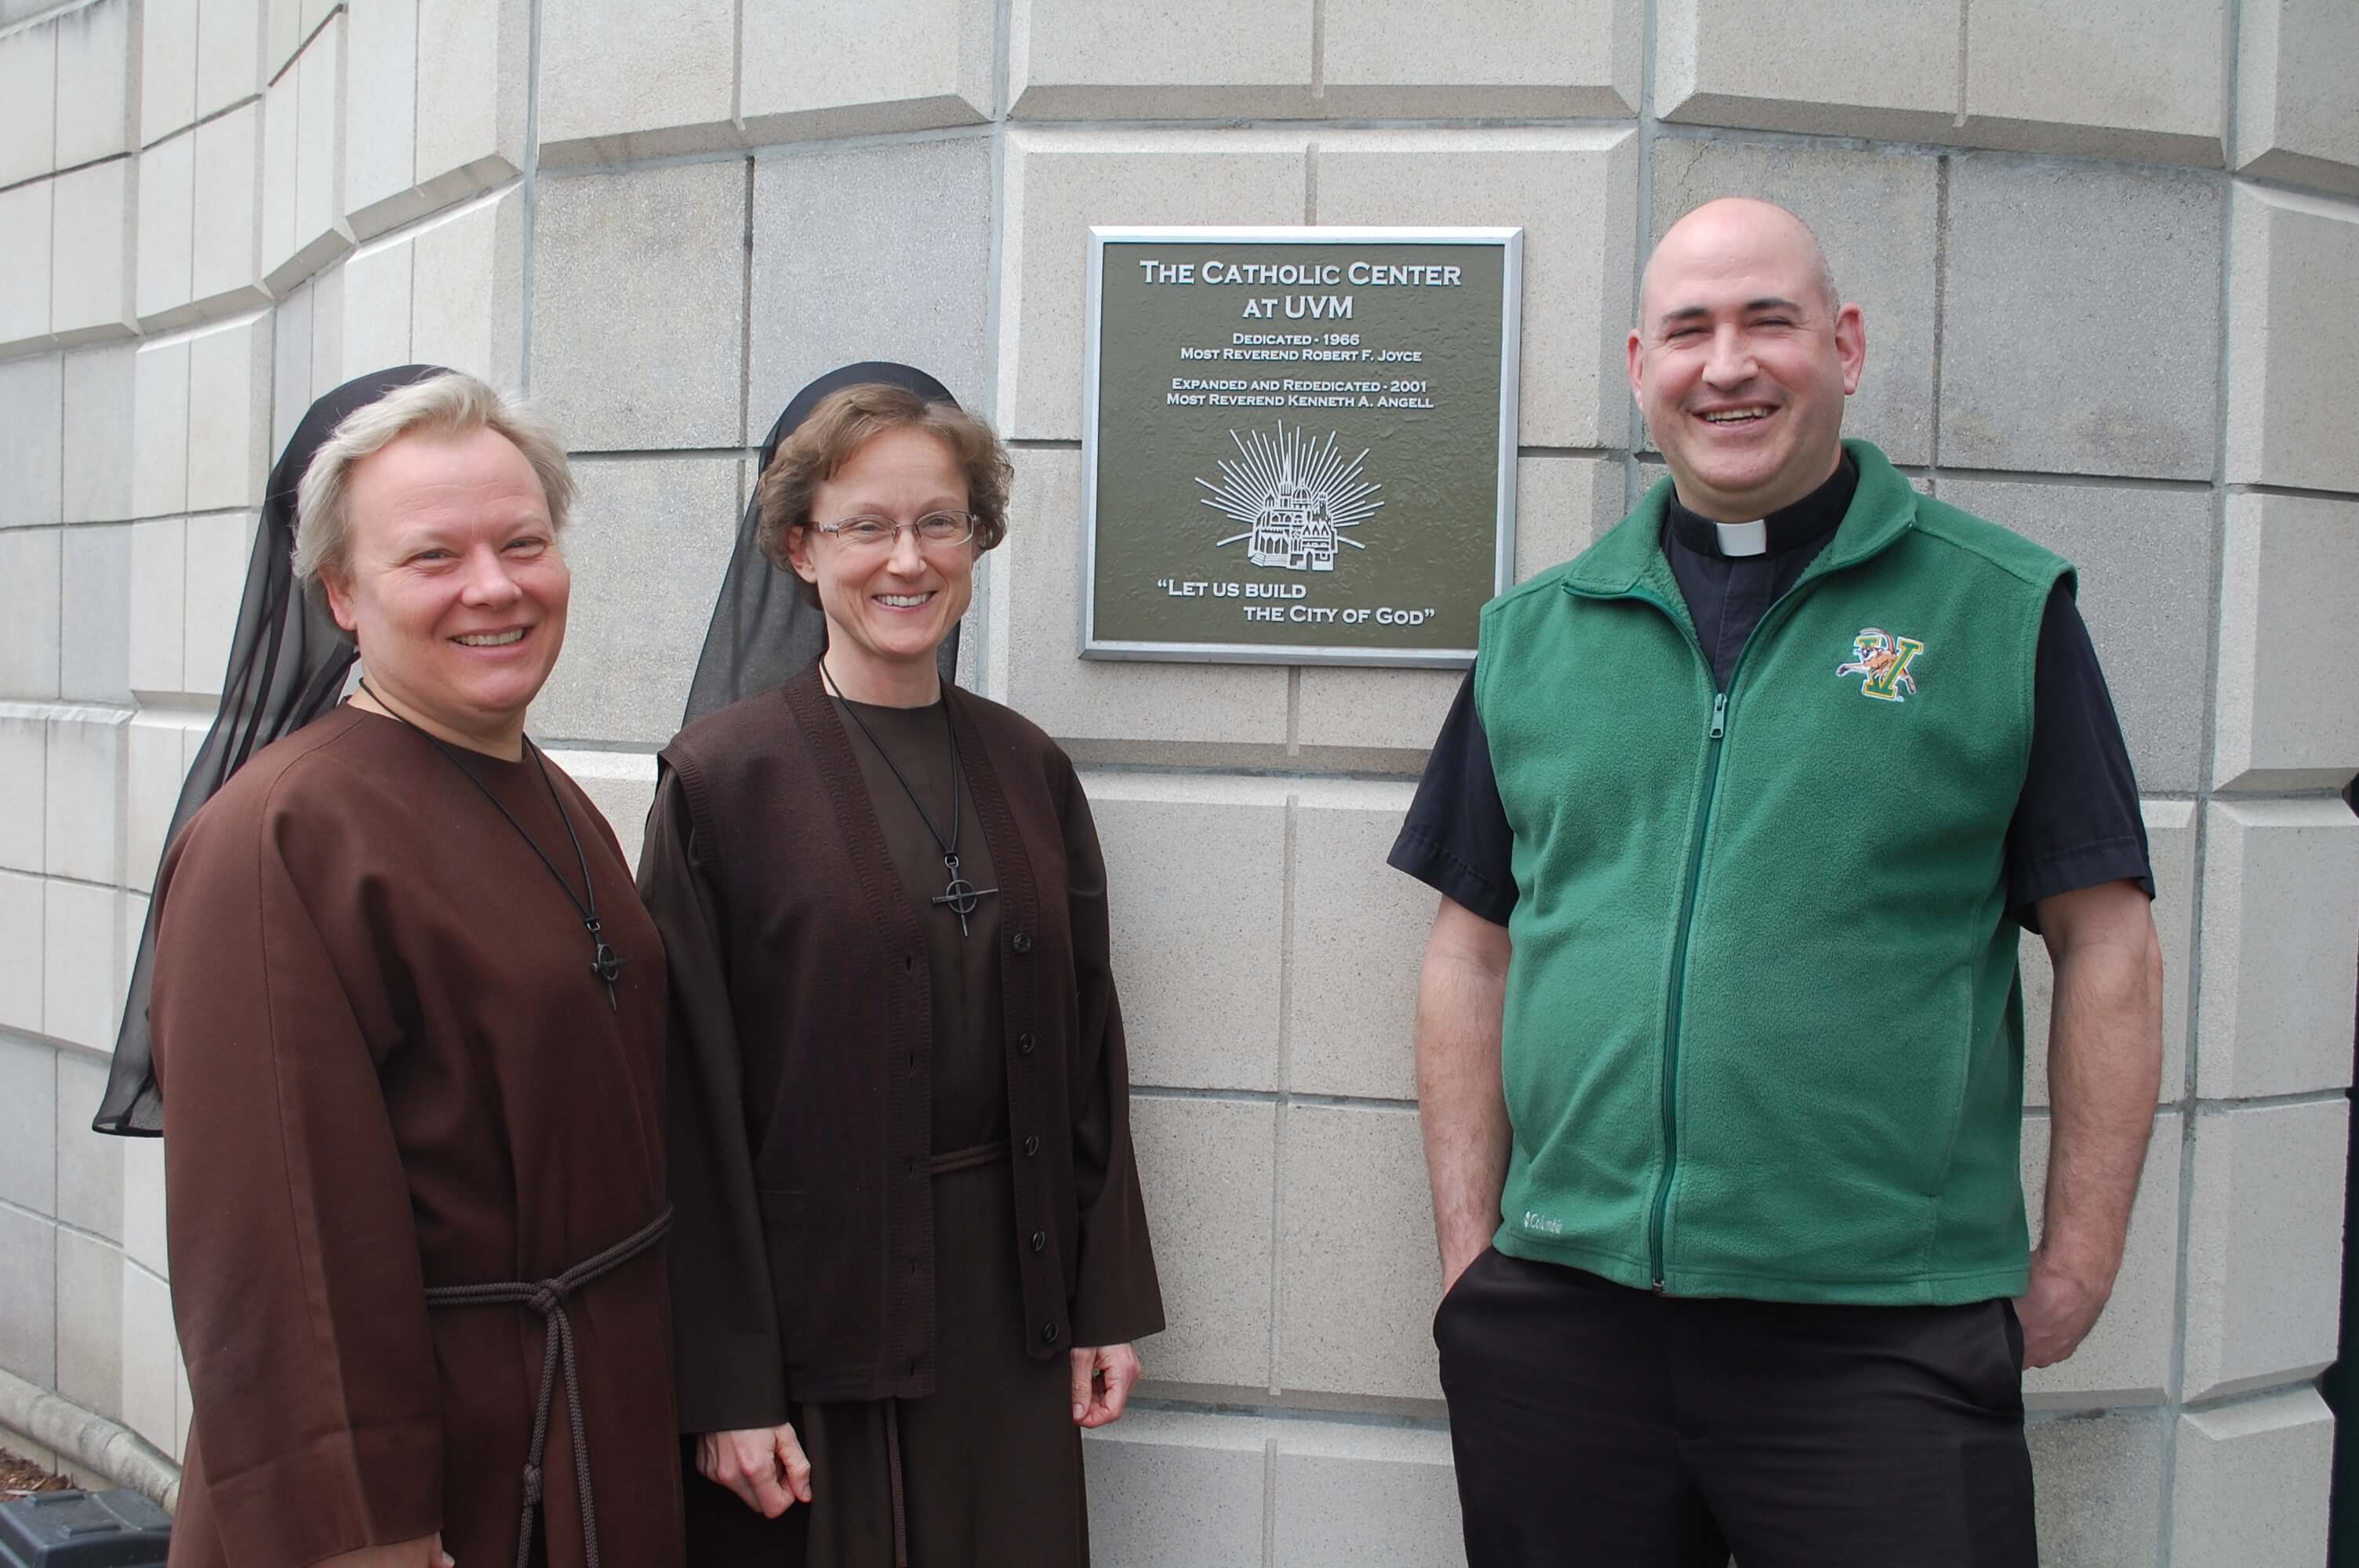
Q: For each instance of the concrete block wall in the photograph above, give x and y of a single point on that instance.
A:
(2103, 252)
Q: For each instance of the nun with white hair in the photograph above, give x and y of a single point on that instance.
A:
(405, 1039)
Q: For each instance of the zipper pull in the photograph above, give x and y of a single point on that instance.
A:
(1718, 714)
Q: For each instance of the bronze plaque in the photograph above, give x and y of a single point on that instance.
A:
(1299, 444)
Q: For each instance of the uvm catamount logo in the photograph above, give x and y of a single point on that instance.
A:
(1882, 659)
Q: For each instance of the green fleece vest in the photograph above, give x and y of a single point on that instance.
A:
(1764, 1034)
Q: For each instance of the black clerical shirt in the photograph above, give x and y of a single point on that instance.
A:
(2076, 822)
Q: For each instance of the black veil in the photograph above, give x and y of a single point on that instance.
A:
(762, 631)
(287, 660)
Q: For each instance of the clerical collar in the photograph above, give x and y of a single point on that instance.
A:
(1814, 515)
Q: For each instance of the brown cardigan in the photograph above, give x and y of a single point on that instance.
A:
(802, 1257)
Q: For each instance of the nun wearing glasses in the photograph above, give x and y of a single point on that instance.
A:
(911, 1253)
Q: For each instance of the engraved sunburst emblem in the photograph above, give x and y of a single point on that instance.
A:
(1295, 496)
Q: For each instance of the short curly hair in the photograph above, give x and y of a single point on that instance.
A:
(847, 421)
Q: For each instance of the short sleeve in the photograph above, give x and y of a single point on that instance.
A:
(1456, 839)
(2076, 823)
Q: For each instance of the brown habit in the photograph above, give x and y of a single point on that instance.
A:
(386, 1066)
(840, 1053)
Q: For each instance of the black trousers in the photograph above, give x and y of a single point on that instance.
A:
(1595, 1424)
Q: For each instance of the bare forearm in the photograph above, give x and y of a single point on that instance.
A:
(2105, 1063)
(1460, 993)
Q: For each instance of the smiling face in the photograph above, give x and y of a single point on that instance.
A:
(451, 584)
(888, 607)
(1740, 360)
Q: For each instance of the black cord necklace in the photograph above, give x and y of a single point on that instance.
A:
(604, 964)
(958, 896)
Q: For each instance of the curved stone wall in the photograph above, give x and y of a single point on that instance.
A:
(2106, 253)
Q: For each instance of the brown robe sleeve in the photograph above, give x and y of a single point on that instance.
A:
(296, 1282)
(1115, 1295)
(724, 1320)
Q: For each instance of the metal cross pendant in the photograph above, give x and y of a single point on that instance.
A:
(603, 964)
(960, 897)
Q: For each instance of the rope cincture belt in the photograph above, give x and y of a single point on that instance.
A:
(943, 1164)
(548, 1298)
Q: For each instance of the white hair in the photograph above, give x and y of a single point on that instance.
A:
(450, 404)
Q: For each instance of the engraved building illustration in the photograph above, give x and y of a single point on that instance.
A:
(1295, 497)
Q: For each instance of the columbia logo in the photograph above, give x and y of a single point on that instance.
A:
(1535, 1220)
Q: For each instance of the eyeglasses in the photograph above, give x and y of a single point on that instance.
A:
(881, 533)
